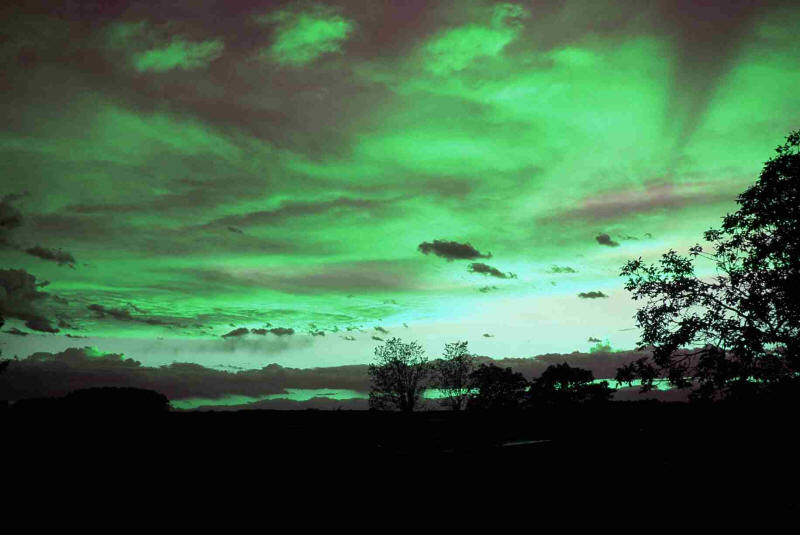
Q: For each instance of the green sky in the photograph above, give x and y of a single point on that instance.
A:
(211, 167)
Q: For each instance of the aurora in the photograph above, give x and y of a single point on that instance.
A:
(240, 184)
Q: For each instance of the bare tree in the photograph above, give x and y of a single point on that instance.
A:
(398, 375)
(452, 375)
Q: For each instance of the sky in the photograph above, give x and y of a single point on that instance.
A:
(234, 184)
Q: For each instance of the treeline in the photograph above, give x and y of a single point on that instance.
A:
(401, 373)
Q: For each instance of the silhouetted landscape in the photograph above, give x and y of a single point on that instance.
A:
(381, 259)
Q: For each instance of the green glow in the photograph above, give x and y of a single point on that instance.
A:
(521, 131)
(179, 54)
(301, 38)
(456, 49)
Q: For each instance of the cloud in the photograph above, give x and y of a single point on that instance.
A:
(487, 335)
(179, 54)
(40, 324)
(301, 209)
(605, 239)
(58, 256)
(592, 295)
(123, 314)
(487, 289)
(593, 339)
(150, 49)
(281, 331)
(21, 298)
(277, 331)
(377, 338)
(56, 374)
(241, 331)
(451, 250)
(381, 330)
(485, 269)
(654, 197)
(236, 230)
(561, 269)
(458, 48)
(303, 36)
(10, 218)
(16, 332)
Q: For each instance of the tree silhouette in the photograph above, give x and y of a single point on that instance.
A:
(452, 375)
(738, 332)
(398, 376)
(496, 388)
(561, 383)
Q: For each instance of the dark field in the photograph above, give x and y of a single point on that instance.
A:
(655, 441)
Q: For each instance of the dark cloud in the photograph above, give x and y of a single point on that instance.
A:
(21, 298)
(561, 269)
(708, 37)
(377, 338)
(451, 250)
(281, 331)
(655, 197)
(487, 335)
(122, 314)
(241, 331)
(485, 269)
(116, 313)
(592, 295)
(317, 333)
(605, 239)
(56, 374)
(487, 289)
(312, 279)
(593, 339)
(10, 218)
(236, 230)
(16, 332)
(349, 338)
(381, 330)
(287, 210)
(58, 256)
(41, 324)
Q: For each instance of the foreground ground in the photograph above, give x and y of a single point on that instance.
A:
(610, 441)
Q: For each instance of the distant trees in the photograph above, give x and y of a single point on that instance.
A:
(561, 383)
(452, 375)
(735, 333)
(401, 373)
(497, 388)
(399, 376)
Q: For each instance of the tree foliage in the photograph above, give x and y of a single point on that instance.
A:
(496, 388)
(453, 375)
(398, 376)
(738, 331)
(561, 383)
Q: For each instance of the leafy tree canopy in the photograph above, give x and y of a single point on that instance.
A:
(398, 375)
(496, 388)
(737, 332)
(561, 383)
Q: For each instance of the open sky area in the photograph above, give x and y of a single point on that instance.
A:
(239, 183)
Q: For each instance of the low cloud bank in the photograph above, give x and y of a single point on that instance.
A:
(56, 374)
